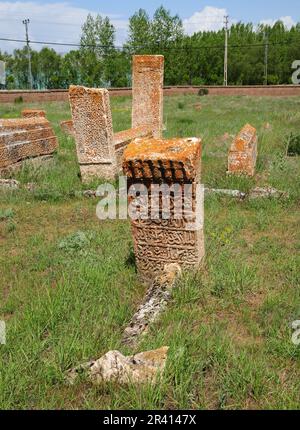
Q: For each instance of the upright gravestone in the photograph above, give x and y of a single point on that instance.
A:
(163, 233)
(92, 125)
(147, 92)
(243, 152)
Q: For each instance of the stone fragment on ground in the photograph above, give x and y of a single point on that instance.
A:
(197, 106)
(141, 368)
(155, 301)
(9, 184)
(232, 193)
(145, 367)
(268, 192)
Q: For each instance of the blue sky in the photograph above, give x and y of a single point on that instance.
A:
(60, 21)
(254, 10)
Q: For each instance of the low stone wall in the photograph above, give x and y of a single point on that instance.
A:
(62, 95)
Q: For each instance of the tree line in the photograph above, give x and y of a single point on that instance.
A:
(189, 60)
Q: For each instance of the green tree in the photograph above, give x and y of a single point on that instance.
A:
(139, 36)
(48, 69)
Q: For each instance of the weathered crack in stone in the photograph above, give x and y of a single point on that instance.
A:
(155, 301)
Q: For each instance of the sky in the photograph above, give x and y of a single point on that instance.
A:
(61, 21)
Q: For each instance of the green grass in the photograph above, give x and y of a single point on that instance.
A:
(68, 286)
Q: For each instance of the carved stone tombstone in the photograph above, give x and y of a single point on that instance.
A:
(92, 124)
(23, 139)
(159, 165)
(147, 92)
(243, 152)
(33, 113)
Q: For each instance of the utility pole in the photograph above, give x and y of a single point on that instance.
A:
(26, 22)
(266, 57)
(226, 20)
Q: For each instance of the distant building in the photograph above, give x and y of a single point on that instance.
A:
(2, 73)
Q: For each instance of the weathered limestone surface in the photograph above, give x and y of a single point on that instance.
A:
(67, 127)
(147, 92)
(93, 131)
(243, 152)
(145, 367)
(154, 303)
(33, 113)
(123, 138)
(25, 138)
(159, 241)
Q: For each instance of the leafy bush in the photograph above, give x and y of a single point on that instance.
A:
(203, 92)
(293, 144)
(180, 105)
(19, 100)
(75, 242)
(6, 214)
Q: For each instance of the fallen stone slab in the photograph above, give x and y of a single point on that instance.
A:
(25, 139)
(145, 367)
(33, 113)
(123, 138)
(269, 192)
(154, 303)
(232, 193)
(9, 184)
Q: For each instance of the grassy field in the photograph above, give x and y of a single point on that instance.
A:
(66, 299)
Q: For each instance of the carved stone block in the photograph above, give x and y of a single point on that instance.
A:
(33, 113)
(175, 238)
(243, 152)
(147, 92)
(92, 123)
(25, 138)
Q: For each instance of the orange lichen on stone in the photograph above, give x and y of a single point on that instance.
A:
(123, 138)
(67, 127)
(176, 160)
(147, 92)
(159, 240)
(25, 138)
(33, 113)
(243, 152)
(92, 123)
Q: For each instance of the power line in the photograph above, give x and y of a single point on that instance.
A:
(261, 45)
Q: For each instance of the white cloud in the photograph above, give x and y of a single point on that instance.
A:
(287, 21)
(208, 19)
(55, 22)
